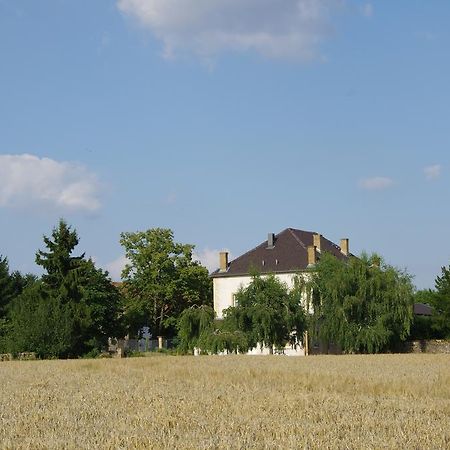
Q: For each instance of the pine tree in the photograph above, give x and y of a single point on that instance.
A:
(6, 287)
(73, 310)
(441, 304)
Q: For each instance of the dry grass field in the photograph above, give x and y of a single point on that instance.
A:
(386, 401)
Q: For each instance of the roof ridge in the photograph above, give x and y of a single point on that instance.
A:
(257, 246)
(297, 238)
(291, 254)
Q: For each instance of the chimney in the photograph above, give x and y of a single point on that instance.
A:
(345, 247)
(311, 255)
(270, 240)
(223, 261)
(317, 239)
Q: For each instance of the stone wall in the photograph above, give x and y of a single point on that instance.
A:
(428, 346)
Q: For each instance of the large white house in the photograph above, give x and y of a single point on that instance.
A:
(286, 254)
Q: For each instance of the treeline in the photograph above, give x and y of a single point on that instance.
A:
(359, 306)
(74, 307)
(362, 305)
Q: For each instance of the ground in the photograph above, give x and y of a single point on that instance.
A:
(355, 401)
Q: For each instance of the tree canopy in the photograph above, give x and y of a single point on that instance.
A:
(441, 304)
(267, 313)
(72, 310)
(362, 305)
(161, 280)
(6, 288)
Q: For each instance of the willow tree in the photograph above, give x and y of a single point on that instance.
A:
(267, 313)
(194, 323)
(361, 305)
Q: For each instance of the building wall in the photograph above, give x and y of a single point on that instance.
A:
(225, 288)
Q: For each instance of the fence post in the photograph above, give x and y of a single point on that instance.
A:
(160, 342)
(306, 343)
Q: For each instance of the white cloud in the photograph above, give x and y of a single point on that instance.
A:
(27, 180)
(367, 10)
(432, 172)
(209, 258)
(376, 183)
(115, 267)
(286, 29)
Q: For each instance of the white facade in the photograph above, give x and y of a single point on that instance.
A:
(225, 288)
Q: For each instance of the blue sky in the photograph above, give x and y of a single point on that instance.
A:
(225, 120)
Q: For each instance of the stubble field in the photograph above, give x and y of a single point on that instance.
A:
(386, 401)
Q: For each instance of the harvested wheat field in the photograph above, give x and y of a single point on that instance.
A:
(386, 401)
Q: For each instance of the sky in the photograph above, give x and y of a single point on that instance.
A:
(225, 120)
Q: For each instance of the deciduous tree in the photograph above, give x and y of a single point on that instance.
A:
(267, 313)
(362, 305)
(161, 280)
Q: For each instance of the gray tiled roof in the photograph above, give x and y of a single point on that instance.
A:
(421, 309)
(289, 254)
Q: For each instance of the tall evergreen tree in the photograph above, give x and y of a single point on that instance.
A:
(62, 269)
(6, 286)
(441, 304)
(73, 310)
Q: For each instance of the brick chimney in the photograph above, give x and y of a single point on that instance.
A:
(345, 247)
(317, 238)
(312, 259)
(223, 260)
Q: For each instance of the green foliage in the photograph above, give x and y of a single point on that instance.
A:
(160, 281)
(194, 323)
(222, 340)
(362, 305)
(266, 313)
(99, 308)
(72, 311)
(6, 286)
(11, 285)
(40, 323)
(441, 304)
(421, 327)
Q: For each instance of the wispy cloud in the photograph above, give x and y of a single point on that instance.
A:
(27, 181)
(376, 183)
(287, 29)
(367, 9)
(432, 172)
(115, 267)
(209, 258)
